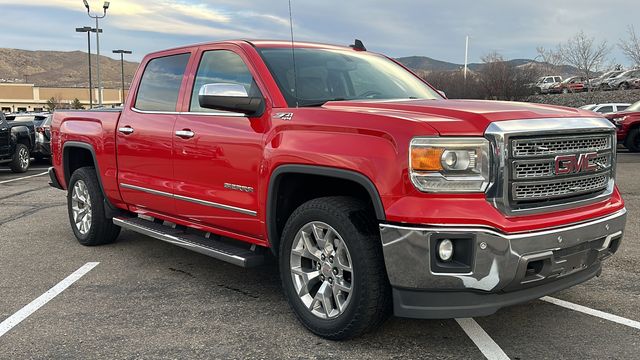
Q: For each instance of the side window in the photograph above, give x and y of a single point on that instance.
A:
(622, 107)
(221, 66)
(160, 83)
(605, 109)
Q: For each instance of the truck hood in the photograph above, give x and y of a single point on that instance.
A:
(458, 117)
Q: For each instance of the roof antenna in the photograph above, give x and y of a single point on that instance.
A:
(293, 56)
(358, 45)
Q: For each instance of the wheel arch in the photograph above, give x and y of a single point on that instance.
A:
(275, 220)
(77, 154)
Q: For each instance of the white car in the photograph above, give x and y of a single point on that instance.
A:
(606, 108)
(544, 83)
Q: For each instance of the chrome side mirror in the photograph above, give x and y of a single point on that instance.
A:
(229, 97)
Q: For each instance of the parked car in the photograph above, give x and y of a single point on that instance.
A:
(628, 126)
(43, 139)
(623, 81)
(373, 191)
(602, 81)
(606, 108)
(544, 83)
(17, 139)
(569, 85)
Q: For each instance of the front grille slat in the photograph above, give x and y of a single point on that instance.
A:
(532, 179)
(533, 169)
(559, 188)
(530, 147)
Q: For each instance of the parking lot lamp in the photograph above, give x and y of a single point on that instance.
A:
(87, 29)
(122, 52)
(105, 6)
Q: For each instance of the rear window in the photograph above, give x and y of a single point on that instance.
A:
(160, 83)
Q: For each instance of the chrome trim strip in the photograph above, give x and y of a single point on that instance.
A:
(513, 236)
(190, 199)
(213, 113)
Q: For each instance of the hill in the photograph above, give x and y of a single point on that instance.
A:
(427, 64)
(58, 68)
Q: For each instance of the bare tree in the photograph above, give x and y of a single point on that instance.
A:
(502, 80)
(550, 60)
(53, 103)
(631, 46)
(585, 54)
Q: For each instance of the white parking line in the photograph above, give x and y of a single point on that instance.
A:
(483, 341)
(24, 177)
(592, 312)
(36, 304)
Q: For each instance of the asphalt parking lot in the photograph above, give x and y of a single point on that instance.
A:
(148, 299)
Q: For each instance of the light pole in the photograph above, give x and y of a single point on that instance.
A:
(122, 52)
(97, 31)
(87, 29)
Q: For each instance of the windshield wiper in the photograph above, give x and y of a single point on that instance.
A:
(311, 103)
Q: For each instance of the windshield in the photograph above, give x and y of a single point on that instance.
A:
(323, 75)
(634, 107)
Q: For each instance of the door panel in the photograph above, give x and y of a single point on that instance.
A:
(217, 170)
(144, 160)
(223, 150)
(145, 136)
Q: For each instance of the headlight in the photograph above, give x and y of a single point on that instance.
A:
(618, 121)
(449, 164)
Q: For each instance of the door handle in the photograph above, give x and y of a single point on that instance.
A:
(185, 134)
(126, 130)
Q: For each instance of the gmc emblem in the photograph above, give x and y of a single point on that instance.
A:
(573, 164)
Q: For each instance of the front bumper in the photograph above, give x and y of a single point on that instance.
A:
(496, 269)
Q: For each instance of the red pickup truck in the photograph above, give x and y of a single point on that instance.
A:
(628, 124)
(376, 194)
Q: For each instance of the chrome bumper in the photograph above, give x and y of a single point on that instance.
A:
(499, 262)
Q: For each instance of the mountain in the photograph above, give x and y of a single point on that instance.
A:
(58, 68)
(427, 64)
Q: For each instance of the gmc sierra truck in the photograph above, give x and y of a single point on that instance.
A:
(376, 194)
(17, 141)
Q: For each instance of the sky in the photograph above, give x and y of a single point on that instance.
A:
(397, 28)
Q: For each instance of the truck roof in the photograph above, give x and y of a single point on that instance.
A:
(259, 44)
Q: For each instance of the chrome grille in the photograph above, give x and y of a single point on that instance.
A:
(532, 169)
(530, 147)
(559, 188)
(532, 181)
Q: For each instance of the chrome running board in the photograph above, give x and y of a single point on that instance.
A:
(207, 245)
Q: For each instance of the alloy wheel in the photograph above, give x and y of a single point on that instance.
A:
(321, 270)
(23, 155)
(81, 207)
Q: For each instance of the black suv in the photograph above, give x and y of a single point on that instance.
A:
(17, 140)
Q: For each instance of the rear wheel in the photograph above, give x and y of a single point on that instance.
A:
(21, 159)
(85, 204)
(632, 142)
(332, 268)
(624, 86)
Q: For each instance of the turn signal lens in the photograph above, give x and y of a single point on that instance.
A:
(426, 159)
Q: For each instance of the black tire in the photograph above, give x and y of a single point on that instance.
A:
(624, 86)
(101, 230)
(370, 302)
(632, 142)
(18, 164)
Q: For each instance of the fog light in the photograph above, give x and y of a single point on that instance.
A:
(445, 250)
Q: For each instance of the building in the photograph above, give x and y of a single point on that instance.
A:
(28, 97)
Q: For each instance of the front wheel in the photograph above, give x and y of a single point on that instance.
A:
(332, 268)
(85, 204)
(632, 142)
